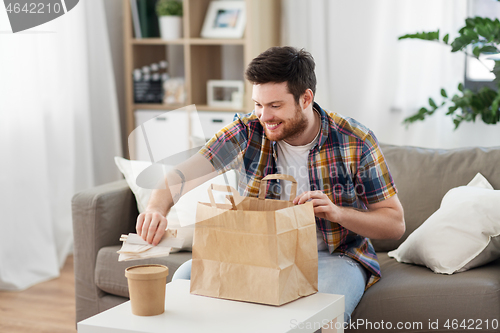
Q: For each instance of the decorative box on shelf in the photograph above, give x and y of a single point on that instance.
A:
(148, 91)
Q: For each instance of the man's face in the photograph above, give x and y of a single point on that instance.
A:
(277, 111)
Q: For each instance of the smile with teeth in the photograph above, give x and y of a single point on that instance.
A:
(272, 126)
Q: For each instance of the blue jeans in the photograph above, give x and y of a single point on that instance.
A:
(337, 274)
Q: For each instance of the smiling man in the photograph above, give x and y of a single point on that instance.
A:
(336, 161)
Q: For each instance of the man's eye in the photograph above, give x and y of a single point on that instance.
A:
(258, 105)
(276, 106)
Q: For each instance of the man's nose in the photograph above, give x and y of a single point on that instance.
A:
(265, 114)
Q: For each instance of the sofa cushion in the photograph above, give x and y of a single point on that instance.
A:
(423, 176)
(110, 273)
(411, 293)
(462, 234)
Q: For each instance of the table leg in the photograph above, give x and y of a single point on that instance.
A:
(335, 326)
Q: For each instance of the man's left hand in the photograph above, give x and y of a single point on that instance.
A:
(323, 206)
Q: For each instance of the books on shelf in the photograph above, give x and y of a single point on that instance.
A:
(135, 19)
(144, 19)
(149, 19)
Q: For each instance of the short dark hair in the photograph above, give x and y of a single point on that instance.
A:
(284, 64)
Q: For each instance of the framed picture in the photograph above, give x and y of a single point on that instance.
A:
(225, 93)
(224, 19)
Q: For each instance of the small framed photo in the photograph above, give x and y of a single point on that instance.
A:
(224, 19)
(225, 93)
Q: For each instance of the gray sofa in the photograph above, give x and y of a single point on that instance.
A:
(406, 294)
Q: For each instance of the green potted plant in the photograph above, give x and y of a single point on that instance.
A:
(483, 36)
(170, 18)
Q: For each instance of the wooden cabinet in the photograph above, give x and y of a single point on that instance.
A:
(199, 59)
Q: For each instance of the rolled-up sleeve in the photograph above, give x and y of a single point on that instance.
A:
(374, 180)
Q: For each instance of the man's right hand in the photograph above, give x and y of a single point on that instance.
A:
(151, 226)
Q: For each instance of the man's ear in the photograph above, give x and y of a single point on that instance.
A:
(307, 98)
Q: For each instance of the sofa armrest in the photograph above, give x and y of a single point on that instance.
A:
(100, 215)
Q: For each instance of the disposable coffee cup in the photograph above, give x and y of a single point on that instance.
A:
(146, 285)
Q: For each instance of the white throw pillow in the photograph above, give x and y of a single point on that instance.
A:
(462, 234)
(182, 216)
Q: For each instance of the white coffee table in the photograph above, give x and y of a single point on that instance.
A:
(192, 313)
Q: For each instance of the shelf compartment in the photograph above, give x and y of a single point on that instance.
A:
(213, 62)
(196, 11)
(145, 55)
(205, 65)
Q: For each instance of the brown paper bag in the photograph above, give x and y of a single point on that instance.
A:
(255, 249)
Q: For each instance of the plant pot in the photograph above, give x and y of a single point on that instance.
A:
(170, 27)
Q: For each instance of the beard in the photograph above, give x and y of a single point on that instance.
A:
(289, 129)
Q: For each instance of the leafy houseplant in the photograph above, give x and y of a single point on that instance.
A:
(169, 8)
(483, 34)
(170, 17)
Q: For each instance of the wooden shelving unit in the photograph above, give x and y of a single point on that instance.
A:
(202, 58)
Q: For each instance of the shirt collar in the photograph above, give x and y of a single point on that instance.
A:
(325, 126)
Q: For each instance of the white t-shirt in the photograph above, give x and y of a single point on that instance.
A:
(292, 160)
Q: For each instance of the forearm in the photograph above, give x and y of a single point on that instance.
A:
(160, 201)
(381, 223)
(183, 178)
(382, 220)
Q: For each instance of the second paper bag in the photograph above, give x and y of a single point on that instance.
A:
(255, 249)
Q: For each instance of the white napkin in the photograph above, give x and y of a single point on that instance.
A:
(134, 247)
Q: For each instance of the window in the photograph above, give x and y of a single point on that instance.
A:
(478, 72)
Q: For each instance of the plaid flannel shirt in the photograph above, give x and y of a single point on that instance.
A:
(346, 164)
